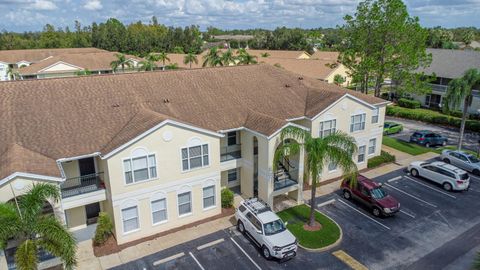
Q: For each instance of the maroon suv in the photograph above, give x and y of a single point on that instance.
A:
(372, 195)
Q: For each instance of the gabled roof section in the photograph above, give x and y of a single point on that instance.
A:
(263, 124)
(35, 55)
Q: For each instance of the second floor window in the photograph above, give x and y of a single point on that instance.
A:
(375, 116)
(357, 122)
(140, 169)
(232, 138)
(327, 128)
(194, 157)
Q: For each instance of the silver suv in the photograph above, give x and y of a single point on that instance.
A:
(449, 176)
(462, 160)
(256, 220)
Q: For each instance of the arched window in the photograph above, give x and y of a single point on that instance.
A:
(140, 166)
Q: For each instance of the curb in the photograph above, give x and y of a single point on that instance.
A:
(322, 249)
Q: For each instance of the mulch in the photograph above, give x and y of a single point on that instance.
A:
(111, 246)
(316, 227)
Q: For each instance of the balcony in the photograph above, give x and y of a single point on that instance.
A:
(230, 152)
(82, 184)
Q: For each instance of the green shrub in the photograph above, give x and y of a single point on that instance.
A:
(384, 157)
(227, 198)
(407, 103)
(104, 229)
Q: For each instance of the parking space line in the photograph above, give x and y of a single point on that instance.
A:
(326, 203)
(195, 259)
(394, 179)
(434, 189)
(379, 223)
(244, 252)
(408, 214)
(349, 260)
(209, 244)
(173, 257)
(408, 194)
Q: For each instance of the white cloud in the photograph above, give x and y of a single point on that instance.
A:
(93, 5)
(43, 5)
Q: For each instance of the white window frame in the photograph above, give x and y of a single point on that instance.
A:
(166, 210)
(375, 115)
(370, 146)
(363, 117)
(236, 175)
(191, 204)
(123, 220)
(149, 167)
(333, 127)
(364, 154)
(214, 197)
(201, 155)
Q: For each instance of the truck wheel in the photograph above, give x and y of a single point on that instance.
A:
(446, 160)
(266, 253)
(240, 227)
(476, 172)
(414, 172)
(444, 143)
(347, 195)
(376, 212)
(427, 145)
(447, 186)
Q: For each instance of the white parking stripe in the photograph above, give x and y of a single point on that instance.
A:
(394, 179)
(201, 267)
(173, 257)
(434, 189)
(244, 252)
(408, 214)
(360, 212)
(210, 244)
(326, 203)
(408, 194)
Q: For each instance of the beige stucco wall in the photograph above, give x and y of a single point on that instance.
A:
(342, 70)
(20, 186)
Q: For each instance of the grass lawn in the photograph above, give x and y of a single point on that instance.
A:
(409, 148)
(297, 216)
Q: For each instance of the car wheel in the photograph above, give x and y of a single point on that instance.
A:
(376, 212)
(444, 143)
(266, 252)
(414, 172)
(476, 172)
(240, 227)
(427, 145)
(447, 186)
(446, 160)
(347, 195)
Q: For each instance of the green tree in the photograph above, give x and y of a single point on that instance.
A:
(24, 222)
(12, 73)
(244, 58)
(84, 72)
(190, 58)
(178, 49)
(460, 92)
(150, 62)
(337, 148)
(476, 262)
(111, 35)
(121, 62)
(339, 79)
(228, 58)
(381, 39)
(468, 36)
(212, 58)
(163, 56)
(265, 54)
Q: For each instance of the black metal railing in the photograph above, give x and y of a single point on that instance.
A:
(230, 152)
(82, 184)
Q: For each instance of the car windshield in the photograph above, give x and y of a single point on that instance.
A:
(473, 159)
(274, 227)
(378, 193)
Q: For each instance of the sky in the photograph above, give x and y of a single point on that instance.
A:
(32, 15)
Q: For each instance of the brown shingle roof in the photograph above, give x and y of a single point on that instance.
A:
(67, 117)
(317, 69)
(35, 55)
(325, 55)
(276, 54)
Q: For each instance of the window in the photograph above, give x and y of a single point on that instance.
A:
(130, 219)
(255, 222)
(357, 122)
(232, 175)
(208, 197)
(361, 154)
(184, 203)
(232, 138)
(144, 168)
(371, 146)
(327, 128)
(159, 211)
(194, 157)
(375, 116)
(332, 167)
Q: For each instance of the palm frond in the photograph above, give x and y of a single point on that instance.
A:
(26, 255)
(295, 133)
(32, 202)
(10, 222)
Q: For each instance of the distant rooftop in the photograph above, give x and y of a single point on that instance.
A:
(451, 63)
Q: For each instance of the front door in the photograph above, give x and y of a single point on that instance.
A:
(87, 166)
(92, 211)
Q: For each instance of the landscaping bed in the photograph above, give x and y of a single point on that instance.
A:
(297, 217)
(384, 158)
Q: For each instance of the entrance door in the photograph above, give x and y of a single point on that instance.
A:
(92, 211)
(87, 166)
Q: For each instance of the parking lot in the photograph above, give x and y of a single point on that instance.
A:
(432, 230)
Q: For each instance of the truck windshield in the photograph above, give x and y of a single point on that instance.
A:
(378, 193)
(274, 227)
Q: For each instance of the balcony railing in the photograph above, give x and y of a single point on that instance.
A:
(283, 183)
(82, 184)
(230, 152)
(438, 87)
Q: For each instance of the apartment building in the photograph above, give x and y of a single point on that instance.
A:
(155, 149)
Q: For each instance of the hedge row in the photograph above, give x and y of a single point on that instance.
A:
(384, 157)
(407, 103)
(432, 117)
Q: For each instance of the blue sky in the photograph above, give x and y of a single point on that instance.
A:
(26, 15)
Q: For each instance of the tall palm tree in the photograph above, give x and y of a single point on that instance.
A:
(149, 62)
(244, 58)
(121, 62)
(212, 58)
(228, 58)
(163, 57)
(190, 58)
(336, 148)
(34, 230)
(12, 73)
(460, 91)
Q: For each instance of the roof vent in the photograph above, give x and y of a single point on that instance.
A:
(116, 105)
(166, 100)
(300, 78)
(287, 85)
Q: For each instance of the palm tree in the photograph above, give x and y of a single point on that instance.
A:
(12, 73)
(212, 58)
(149, 62)
(163, 57)
(34, 230)
(476, 262)
(121, 61)
(245, 58)
(460, 91)
(190, 58)
(336, 148)
(228, 58)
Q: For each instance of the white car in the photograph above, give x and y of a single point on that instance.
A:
(462, 160)
(266, 229)
(449, 176)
